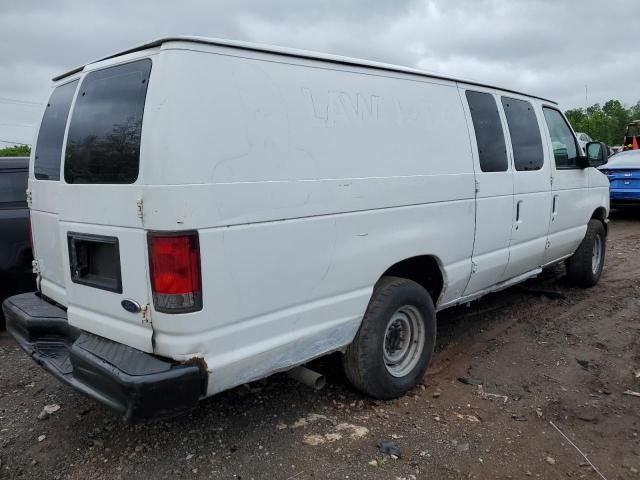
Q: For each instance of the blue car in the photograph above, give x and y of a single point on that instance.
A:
(623, 170)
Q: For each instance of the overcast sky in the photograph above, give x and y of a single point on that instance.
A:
(552, 48)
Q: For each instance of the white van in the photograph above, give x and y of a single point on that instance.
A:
(207, 212)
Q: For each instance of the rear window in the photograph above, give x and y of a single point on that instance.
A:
(525, 134)
(51, 134)
(103, 144)
(633, 131)
(13, 186)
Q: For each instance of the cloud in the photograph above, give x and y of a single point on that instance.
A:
(547, 47)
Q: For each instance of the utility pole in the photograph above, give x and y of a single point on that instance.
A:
(586, 97)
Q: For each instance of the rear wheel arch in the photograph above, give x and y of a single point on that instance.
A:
(425, 270)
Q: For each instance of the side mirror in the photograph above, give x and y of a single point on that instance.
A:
(597, 154)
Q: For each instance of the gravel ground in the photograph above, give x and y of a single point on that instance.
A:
(543, 353)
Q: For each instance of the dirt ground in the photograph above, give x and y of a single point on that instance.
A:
(567, 360)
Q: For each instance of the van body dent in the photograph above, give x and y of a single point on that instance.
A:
(206, 213)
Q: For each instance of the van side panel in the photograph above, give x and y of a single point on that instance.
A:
(306, 182)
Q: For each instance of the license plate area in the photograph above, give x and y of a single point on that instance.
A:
(94, 261)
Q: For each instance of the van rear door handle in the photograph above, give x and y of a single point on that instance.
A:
(518, 221)
(555, 204)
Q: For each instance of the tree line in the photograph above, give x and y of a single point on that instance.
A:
(606, 123)
(15, 151)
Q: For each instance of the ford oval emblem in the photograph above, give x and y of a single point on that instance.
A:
(131, 306)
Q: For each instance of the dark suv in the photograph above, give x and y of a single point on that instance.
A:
(15, 247)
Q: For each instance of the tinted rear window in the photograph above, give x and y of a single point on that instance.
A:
(489, 135)
(13, 186)
(103, 144)
(525, 134)
(49, 147)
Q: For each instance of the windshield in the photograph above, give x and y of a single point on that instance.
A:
(103, 144)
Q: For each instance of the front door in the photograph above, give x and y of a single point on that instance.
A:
(570, 183)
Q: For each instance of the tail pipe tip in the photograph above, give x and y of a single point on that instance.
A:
(312, 379)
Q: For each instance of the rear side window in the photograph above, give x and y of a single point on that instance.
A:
(103, 143)
(13, 186)
(489, 135)
(562, 140)
(51, 134)
(525, 134)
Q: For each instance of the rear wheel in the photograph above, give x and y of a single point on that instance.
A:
(394, 345)
(584, 268)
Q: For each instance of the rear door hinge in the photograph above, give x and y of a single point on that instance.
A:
(551, 180)
(146, 316)
(29, 197)
(548, 245)
(474, 267)
(140, 208)
(477, 186)
(35, 266)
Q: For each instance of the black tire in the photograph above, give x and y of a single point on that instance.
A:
(364, 360)
(580, 271)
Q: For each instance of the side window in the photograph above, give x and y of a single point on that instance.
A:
(489, 135)
(525, 134)
(13, 186)
(54, 121)
(562, 139)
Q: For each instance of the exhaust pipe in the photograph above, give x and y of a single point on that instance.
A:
(307, 376)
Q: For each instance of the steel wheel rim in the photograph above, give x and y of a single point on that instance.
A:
(596, 255)
(404, 341)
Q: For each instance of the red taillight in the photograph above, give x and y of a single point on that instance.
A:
(174, 267)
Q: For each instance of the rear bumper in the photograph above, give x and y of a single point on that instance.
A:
(625, 196)
(133, 383)
(624, 202)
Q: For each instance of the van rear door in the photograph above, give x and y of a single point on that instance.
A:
(100, 243)
(44, 186)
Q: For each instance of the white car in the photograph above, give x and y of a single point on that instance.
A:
(583, 139)
(207, 212)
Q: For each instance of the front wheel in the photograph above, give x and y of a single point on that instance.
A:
(584, 268)
(394, 344)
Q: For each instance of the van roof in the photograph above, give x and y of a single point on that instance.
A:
(292, 52)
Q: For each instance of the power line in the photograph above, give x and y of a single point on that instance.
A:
(16, 101)
(15, 143)
(16, 124)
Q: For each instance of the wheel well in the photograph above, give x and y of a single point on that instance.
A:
(423, 270)
(601, 214)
